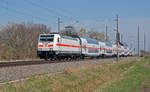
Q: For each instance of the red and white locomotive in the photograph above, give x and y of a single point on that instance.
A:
(56, 46)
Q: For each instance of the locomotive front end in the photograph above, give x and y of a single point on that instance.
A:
(45, 45)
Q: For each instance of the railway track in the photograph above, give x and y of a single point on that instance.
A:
(10, 71)
(25, 63)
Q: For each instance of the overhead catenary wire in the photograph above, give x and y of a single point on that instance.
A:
(50, 11)
(68, 12)
(23, 14)
(6, 2)
(107, 26)
(103, 22)
(19, 12)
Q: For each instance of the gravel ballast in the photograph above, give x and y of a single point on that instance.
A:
(20, 72)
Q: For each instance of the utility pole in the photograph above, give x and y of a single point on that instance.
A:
(138, 40)
(59, 21)
(117, 38)
(144, 42)
(121, 38)
(131, 45)
(106, 33)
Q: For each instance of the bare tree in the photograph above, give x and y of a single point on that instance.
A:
(20, 40)
(82, 32)
(96, 35)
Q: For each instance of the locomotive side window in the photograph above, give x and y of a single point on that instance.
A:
(42, 39)
(58, 40)
(50, 39)
(46, 39)
(47, 36)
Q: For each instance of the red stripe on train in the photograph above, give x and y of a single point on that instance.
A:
(65, 45)
(45, 45)
(68, 45)
(75, 46)
(50, 45)
(41, 46)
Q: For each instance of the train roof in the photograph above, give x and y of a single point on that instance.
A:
(69, 37)
(90, 40)
(109, 43)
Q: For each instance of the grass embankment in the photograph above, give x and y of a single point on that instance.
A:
(125, 76)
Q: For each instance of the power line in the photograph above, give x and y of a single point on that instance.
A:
(64, 11)
(103, 22)
(21, 13)
(68, 12)
(33, 4)
(9, 16)
(50, 11)
(108, 28)
(6, 2)
(24, 14)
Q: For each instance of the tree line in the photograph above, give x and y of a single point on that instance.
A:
(19, 40)
(71, 31)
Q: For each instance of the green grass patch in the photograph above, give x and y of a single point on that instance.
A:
(129, 81)
(124, 76)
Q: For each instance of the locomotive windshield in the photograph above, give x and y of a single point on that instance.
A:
(46, 38)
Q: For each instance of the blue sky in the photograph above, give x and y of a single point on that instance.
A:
(91, 14)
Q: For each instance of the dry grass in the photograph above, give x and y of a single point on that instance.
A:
(69, 70)
(96, 75)
(83, 79)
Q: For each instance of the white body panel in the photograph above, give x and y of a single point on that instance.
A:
(102, 48)
(114, 49)
(122, 51)
(84, 45)
(68, 45)
(92, 50)
(108, 50)
(89, 48)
